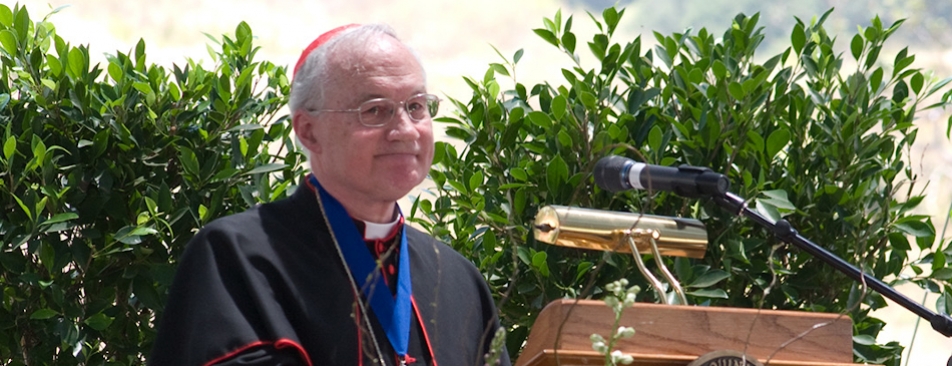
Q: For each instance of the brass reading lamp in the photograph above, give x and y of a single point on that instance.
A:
(625, 232)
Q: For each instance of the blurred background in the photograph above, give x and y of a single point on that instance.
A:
(456, 39)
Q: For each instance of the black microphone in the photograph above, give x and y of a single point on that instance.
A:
(615, 174)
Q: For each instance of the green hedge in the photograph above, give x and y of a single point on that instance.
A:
(810, 134)
(108, 170)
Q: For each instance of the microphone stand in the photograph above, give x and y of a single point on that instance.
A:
(784, 231)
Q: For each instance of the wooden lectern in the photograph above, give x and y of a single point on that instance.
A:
(668, 335)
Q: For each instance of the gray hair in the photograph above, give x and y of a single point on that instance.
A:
(307, 88)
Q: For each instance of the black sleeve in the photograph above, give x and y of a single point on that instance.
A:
(220, 302)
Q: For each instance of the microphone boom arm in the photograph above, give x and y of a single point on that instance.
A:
(785, 232)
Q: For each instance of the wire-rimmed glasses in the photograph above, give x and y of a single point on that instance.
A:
(378, 112)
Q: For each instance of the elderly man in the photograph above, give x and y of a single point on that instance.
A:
(332, 276)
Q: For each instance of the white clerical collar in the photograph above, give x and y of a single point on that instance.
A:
(375, 230)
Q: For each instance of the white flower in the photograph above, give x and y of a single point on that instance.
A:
(600, 347)
(618, 357)
(625, 332)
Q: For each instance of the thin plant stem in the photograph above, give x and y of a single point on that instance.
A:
(925, 294)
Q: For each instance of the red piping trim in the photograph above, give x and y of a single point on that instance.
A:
(426, 337)
(285, 343)
(280, 343)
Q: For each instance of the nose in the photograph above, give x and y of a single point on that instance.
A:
(403, 128)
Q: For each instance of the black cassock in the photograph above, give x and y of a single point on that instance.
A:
(268, 287)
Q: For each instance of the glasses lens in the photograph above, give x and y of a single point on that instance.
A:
(432, 104)
(422, 106)
(418, 107)
(376, 112)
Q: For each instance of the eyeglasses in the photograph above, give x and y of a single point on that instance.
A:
(379, 111)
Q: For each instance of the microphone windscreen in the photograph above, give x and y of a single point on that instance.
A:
(609, 173)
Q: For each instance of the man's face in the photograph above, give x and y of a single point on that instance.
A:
(368, 165)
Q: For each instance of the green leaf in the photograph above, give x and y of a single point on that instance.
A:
(565, 139)
(61, 217)
(499, 69)
(21, 23)
(519, 174)
(917, 229)
(140, 52)
(540, 264)
(77, 63)
(476, 181)
(767, 210)
(266, 168)
(42, 314)
(6, 16)
(568, 41)
(524, 255)
(856, 46)
(547, 36)
(99, 321)
(938, 261)
(777, 141)
(29, 213)
(710, 278)
(610, 14)
(188, 159)
(864, 339)
(517, 56)
(132, 235)
(39, 150)
(557, 174)
(243, 32)
(9, 147)
(582, 268)
(540, 119)
(736, 90)
(9, 42)
(145, 292)
(175, 92)
(942, 274)
(558, 107)
(538, 259)
(719, 70)
(489, 241)
(202, 212)
(143, 87)
(519, 202)
(944, 303)
(902, 62)
(916, 82)
(714, 293)
(873, 56)
(899, 241)
(48, 257)
(798, 38)
(756, 140)
(654, 138)
(876, 79)
(588, 99)
(115, 71)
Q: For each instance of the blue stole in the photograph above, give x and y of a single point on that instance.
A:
(393, 312)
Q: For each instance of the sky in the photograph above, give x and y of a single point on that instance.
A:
(453, 39)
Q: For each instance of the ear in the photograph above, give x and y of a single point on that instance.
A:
(304, 128)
